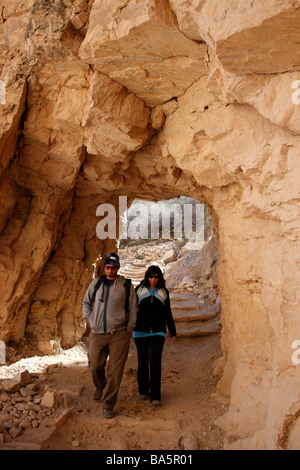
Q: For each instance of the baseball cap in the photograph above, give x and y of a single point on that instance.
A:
(112, 259)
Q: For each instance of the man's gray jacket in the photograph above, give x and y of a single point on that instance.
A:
(108, 313)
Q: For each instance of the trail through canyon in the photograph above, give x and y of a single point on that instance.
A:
(186, 418)
(155, 100)
(188, 407)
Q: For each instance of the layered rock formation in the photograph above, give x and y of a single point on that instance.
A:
(152, 100)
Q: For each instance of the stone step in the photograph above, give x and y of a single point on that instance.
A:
(196, 310)
(192, 305)
(185, 298)
(199, 325)
(187, 308)
(198, 328)
(131, 276)
(196, 333)
(191, 318)
(132, 270)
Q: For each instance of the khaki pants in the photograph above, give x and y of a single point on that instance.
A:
(116, 346)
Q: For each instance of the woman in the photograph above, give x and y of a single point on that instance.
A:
(154, 313)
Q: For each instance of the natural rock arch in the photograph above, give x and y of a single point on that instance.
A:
(94, 110)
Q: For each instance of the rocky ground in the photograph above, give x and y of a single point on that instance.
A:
(54, 409)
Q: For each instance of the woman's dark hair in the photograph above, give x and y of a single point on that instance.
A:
(154, 270)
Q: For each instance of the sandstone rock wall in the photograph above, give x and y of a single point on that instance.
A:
(157, 99)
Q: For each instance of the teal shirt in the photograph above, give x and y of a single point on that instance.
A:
(143, 334)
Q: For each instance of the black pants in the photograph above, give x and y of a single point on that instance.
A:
(149, 350)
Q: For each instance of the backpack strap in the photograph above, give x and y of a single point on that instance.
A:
(97, 286)
(127, 285)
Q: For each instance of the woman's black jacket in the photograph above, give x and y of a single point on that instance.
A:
(153, 314)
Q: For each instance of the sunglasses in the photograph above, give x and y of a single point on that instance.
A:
(153, 277)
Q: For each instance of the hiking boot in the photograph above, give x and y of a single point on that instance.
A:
(143, 397)
(107, 413)
(155, 403)
(97, 394)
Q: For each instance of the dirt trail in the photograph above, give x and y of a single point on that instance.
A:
(187, 404)
(189, 407)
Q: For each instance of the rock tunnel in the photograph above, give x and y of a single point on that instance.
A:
(153, 100)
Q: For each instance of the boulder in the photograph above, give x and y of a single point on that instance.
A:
(14, 384)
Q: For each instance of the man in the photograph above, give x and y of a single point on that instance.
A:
(112, 320)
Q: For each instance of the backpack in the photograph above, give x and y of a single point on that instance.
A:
(127, 285)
